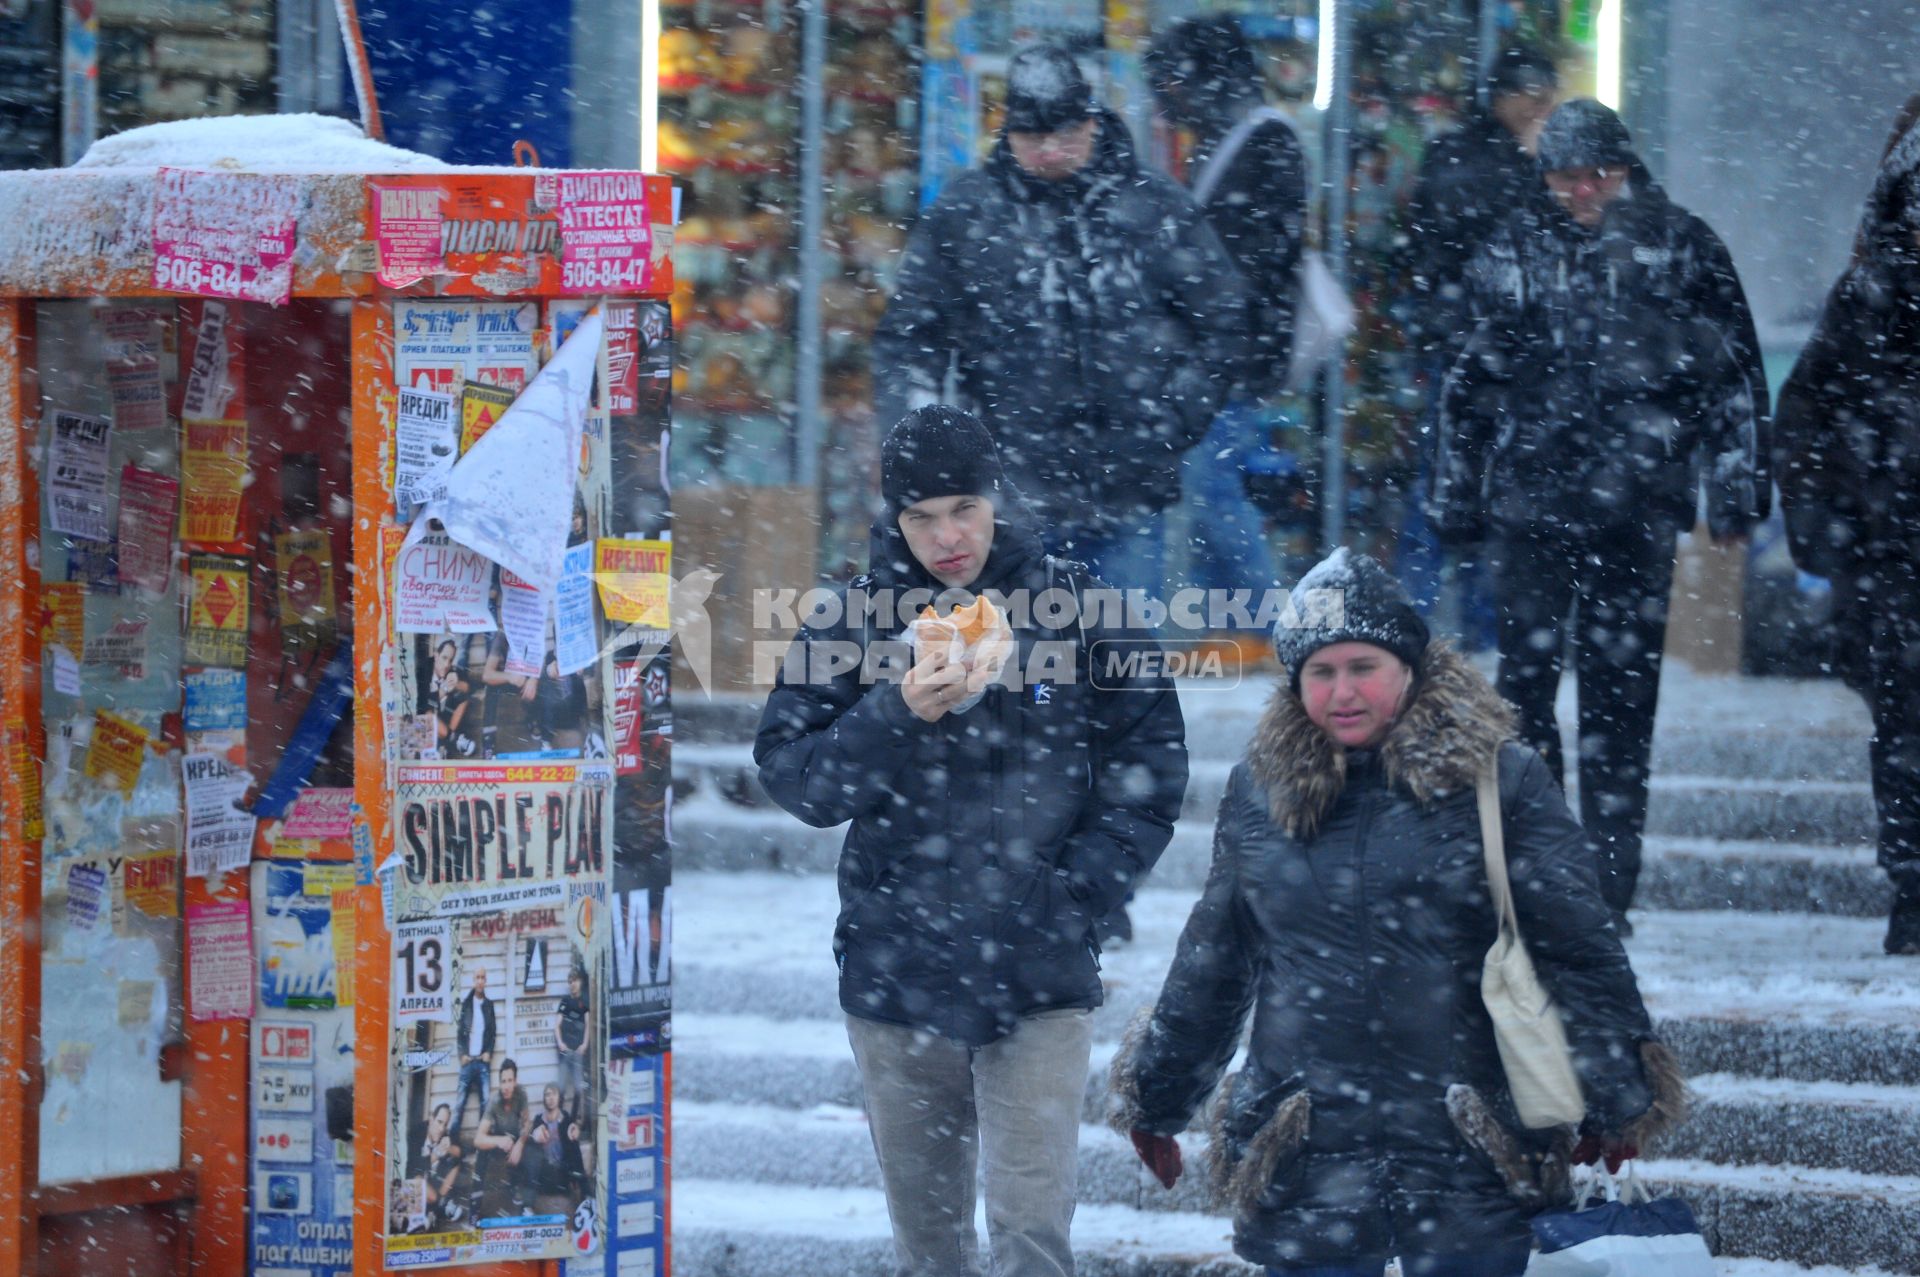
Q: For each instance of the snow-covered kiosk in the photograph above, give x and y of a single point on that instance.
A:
(333, 697)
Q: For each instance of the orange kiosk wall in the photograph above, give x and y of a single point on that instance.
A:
(198, 522)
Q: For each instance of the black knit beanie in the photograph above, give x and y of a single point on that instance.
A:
(1520, 69)
(1347, 598)
(1584, 134)
(938, 451)
(1046, 91)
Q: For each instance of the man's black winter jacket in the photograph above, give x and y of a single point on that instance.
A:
(1094, 324)
(983, 846)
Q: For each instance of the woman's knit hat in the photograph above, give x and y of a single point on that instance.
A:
(1347, 598)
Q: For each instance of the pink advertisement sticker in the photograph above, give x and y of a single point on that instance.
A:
(406, 229)
(220, 960)
(224, 234)
(606, 242)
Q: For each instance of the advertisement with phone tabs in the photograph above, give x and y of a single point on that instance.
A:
(301, 1121)
(499, 958)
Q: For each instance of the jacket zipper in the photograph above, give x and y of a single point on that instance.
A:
(1370, 989)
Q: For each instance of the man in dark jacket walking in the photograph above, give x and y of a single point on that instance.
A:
(1471, 180)
(987, 835)
(1088, 313)
(1250, 176)
(1614, 368)
(1848, 435)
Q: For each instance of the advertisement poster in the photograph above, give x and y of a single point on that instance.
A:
(219, 831)
(500, 937)
(78, 504)
(606, 237)
(216, 701)
(320, 813)
(636, 1144)
(224, 234)
(206, 395)
(481, 407)
(461, 699)
(116, 751)
(219, 961)
(640, 992)
(426, 444)
(633, 577)
(406, 231)
(441, 345)
(213, 475)
(303, 562)
(217, 617)
(301, 1118)
(148, 501)
(130, 346)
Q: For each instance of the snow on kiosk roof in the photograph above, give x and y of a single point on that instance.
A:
(88, 230)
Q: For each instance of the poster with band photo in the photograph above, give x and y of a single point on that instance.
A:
(498, 954)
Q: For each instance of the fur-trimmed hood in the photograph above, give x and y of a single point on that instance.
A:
(1450, 731)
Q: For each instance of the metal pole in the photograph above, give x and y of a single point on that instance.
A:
(1486, 49)
(1338, 136)
(807, 339)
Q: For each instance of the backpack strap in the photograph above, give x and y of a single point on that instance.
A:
(1217, 164)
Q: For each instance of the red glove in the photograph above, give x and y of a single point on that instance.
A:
(1613, 1149)
(1161, 1153)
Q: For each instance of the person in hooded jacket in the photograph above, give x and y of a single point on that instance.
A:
(1347, 909)
(1471, 180)
(994, 818)
(1848, 442)
(1613, 374)
(1089, 314)
(1250, 176)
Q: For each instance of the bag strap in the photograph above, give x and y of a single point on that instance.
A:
(1216, 166)
(1493, 839)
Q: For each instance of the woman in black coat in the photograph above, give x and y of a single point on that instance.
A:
(1348, 909)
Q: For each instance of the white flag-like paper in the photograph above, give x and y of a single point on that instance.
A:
(510, 497)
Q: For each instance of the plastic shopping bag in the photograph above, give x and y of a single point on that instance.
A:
(1630, 1234)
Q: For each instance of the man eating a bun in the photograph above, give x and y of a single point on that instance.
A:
(1000, 800)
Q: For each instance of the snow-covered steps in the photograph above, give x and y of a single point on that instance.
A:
(749, 1228)
(1834, 1125)
(1800, 770)
(1706, 849)
(1779, 1213)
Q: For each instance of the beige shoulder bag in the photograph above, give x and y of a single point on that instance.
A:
(1526, 1023)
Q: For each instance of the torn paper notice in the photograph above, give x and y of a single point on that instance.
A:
(439, 587)
(511, 497)
(219, 833)
(523, 617)
(426, 444)
(320, 813)
(123, 646)
(77, 501)
(206, 394)
(576, 642)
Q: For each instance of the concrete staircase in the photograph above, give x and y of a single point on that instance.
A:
(1758, 948)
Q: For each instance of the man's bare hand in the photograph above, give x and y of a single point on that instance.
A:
(934, 686)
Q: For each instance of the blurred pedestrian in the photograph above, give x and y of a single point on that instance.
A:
(1348, 910)
(1614, 370)
(1088, 313)
(1471, 180)
(1249, 174)
(995, 817)
(1848, 439)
